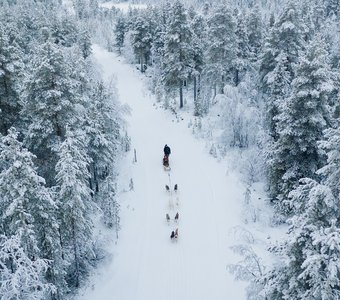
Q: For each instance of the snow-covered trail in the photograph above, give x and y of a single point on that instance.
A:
(146, 265)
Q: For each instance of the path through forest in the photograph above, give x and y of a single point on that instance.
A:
(146, 265)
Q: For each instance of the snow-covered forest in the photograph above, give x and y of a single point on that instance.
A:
(61, 133)
(257, 81)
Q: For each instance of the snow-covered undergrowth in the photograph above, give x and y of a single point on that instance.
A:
(232, 134)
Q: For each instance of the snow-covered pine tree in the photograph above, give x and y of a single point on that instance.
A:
(120, 30)
(221, 50)
(141, 40)
(331, 171)
(198, 26)
(312, 249)
(28, 212)
(102, 127)
(255, 31)
(285, 36)
(303, 117)
(243, 48)
(21, 276)
(52, 100)
(313, 16)
(64, 30)
(159, 17)
(108, 202)
(84, 42)
(178, 61)
(75, 204)
(20, 188)
(11, 68)
(279, 80)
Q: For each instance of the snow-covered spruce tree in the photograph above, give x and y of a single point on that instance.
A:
(141, 40)
(84, 42)
(102, 127)
(284, 37)
(313, 16)
(178, 61)
(331, 171)
(11, 67)
(198, 26)
(52, 100)
(303, 117)
(312, 250)
(28, 211)
(120, 30)
(333, 40)
(63, 30)
(221, 49)
(158, 30)
(159, 17)
(21, 277)
(75, 204)
(279, 80)
(109, 204)
(255, 32)
(243, 48)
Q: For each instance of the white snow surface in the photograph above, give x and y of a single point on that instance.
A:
(145, 264)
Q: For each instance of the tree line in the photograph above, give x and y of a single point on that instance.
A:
(61, 132)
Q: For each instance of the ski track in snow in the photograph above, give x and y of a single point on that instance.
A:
(146, 265)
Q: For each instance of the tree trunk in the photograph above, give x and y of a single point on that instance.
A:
(222, 84)
(141, 63)
(195, 89)
(76, 258)
(95, 178)
(197, 96)
(237, 79)
(61, 244)
(180, 95)
(89, 168)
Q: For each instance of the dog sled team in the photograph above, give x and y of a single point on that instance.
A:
(174, 235)
(166, 165)
(168, 188)
(168, 219)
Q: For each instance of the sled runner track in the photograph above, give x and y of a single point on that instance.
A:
(143, 233)
(212, 203)
(177, 283)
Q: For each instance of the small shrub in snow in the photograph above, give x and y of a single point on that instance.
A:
(249, 269)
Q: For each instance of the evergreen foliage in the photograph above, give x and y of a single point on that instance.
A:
(296, 153)
(66, 126)
(75, 202)
(221, 52)
(278, 68)
(178, 61)
(141, 41)
(11, 68)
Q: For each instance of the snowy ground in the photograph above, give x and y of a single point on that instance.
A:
(145, 263)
